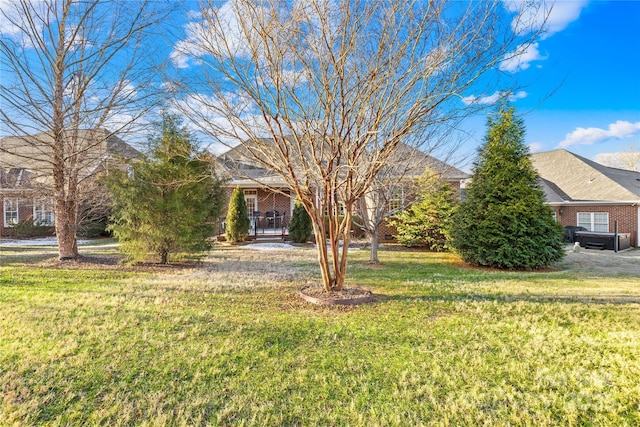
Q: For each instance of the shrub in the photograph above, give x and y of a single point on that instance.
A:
(300, 227)
(28, 228)
(427, 221)
(168, 202)
(237, 221)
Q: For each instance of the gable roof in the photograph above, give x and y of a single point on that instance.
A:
(244, 169)
(570, 177)
(415, 162)
(30, 156)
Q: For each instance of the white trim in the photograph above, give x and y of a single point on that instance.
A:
(638, 226)
(292, 196)
(4, 211)
(592, 220)
(254, 197)
(47, 204)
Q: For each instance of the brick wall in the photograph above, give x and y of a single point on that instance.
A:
(627, 217)
(386, 232)
(25, 212)
(267, 201)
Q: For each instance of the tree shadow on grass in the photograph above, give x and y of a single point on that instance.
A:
(614, 299)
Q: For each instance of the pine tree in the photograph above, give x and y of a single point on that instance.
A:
(300, 227)
(426, 223)
(168, 202)
(504, 222)
(237, 221)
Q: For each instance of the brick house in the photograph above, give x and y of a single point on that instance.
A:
(584, 193)
(409, 165)
(26, 194)
(270, 201)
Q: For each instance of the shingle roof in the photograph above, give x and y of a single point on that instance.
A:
(240, 165)
(33, 154)
(552, 192)
(576, 178)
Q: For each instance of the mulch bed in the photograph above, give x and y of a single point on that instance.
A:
(347, 296)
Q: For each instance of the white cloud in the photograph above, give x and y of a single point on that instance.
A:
(12, 19)
(210, 118)
(562, 14)
(117, 121)
(492, 99)
(534, 147)
(224, 34)
(9, 14)
(550, 17)
(587, 136)
(521, 58)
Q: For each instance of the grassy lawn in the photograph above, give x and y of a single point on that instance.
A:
(228, 342)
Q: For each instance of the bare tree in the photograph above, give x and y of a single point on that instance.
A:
(629, 159)
(71, 68)
(322, 92)
(395, 188)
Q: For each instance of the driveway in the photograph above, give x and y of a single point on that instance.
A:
(604, 261)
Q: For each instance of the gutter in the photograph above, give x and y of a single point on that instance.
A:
(594, 202)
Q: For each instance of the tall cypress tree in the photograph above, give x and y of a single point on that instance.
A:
(300, 227)
(237, 221)
(504, 222)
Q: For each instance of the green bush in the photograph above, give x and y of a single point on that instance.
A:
(426, 223)
(504, 222)
(27, 228)
(300, 227)
(168, 203)
(237, 221)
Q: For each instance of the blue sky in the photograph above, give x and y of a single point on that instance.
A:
(581, 80)
(583, 93)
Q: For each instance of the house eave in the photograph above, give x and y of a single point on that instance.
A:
(595, 202)
(251, 183)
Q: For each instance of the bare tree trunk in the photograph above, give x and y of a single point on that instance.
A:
(373, 249)
(65, 213)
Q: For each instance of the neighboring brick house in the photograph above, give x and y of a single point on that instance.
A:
(584, 193)
(26, 193)
(270, 201)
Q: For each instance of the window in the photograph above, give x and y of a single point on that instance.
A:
(43, 211)
(594, 221)
(396, 201)
(10, 212)
(340, 209)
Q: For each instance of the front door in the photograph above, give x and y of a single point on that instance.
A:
(251, 198)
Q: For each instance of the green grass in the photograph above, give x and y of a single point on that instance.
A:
(230, 343)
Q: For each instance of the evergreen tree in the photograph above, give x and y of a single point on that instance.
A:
(504, 222)
(426, 222)
(237, 222)
(300, 227)
(168, 202)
